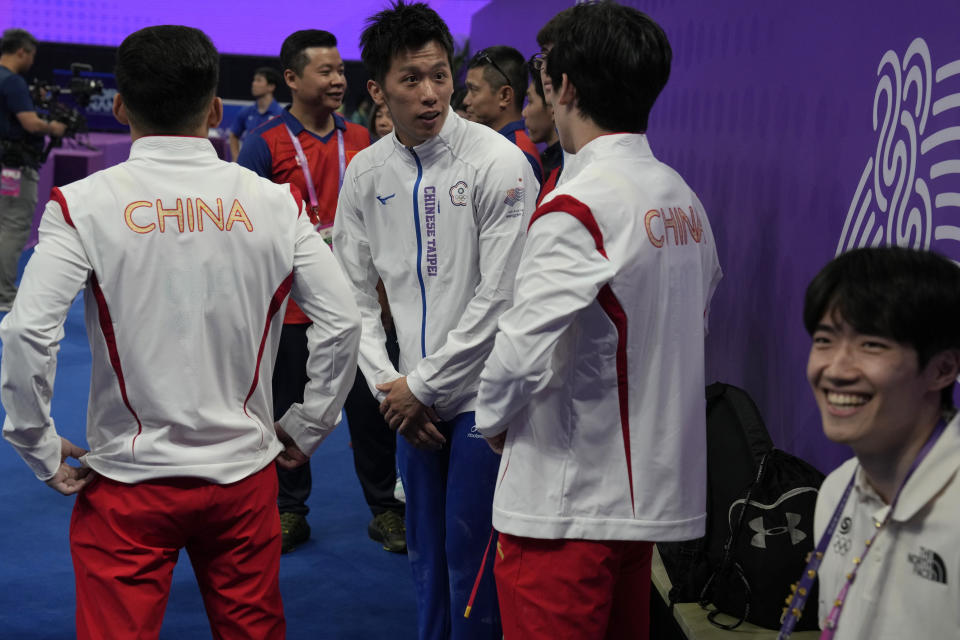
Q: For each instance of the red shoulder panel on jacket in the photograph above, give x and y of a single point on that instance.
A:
(57, 196)
(570, 205)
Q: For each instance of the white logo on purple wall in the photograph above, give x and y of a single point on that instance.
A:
(909, 192)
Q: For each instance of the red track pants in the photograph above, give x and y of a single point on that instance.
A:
(573, 589)
(125, 539)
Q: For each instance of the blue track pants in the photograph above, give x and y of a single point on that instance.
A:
(449, 505)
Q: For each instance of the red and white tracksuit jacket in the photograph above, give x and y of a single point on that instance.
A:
(597, 372)
(185, 262)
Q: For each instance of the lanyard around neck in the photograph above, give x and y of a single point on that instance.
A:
(798, 600)
(305, 167)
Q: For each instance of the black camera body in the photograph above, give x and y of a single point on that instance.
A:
(47, 99)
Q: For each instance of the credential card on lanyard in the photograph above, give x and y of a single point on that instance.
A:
(325, 230)
(10, 182)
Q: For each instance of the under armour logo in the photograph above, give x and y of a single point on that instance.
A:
(383, 199)
(760, 539)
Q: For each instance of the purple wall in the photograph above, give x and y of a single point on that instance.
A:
(805, 128)
(239, 26)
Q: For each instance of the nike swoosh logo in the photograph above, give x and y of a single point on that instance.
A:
(383, 199)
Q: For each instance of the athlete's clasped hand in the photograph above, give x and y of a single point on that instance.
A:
(68, 479)
(291, 457)
(410, 417)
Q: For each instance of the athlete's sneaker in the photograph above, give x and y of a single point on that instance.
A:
(294, 531)
(388, 529)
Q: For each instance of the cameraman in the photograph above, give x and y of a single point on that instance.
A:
(21, 135)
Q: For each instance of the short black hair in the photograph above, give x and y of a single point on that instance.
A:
(548, 32)
(456, 99)
(537, 84)
(15, 39)
(906, 295)
(167, 75)
(617, 58)
(510, 62)
(293, 50)
(402, 27)
(271, 75)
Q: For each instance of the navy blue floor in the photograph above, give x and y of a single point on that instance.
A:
(339, 585)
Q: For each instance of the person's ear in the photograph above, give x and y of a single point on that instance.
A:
(215, 115)
(566, 92)
(120, 110)
(376, 92)
(290, 77)
(943, 369)
(505, 96)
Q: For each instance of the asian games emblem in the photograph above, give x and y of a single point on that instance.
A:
(458, 194)
(909, 191)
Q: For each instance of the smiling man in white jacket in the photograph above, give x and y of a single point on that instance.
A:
(438, 211)
(595, 386)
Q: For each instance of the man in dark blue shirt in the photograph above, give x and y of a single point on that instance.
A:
(265, 82)
(21, 135)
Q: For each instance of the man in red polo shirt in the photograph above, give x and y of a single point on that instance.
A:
(309, 146)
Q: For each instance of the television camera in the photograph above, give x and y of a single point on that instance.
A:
(48, 98)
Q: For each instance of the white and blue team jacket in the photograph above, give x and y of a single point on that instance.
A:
(443, 225)
(597, 372)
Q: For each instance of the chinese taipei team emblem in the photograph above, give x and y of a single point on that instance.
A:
(513, 196)
(458, 194)
(909, 191)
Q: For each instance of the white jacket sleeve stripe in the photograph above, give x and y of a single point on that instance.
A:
(275, 303)
(106, 327)
(614, 310)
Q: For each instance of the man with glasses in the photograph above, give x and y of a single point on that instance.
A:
(554, 157)
(538, 118)
(496, 85)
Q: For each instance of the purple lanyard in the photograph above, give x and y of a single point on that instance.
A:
(798, 600)
(305, 167)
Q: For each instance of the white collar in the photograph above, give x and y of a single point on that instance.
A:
(149, 146)
(933, 474)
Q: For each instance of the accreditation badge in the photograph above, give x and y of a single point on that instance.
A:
(10, 182)
(326, 232)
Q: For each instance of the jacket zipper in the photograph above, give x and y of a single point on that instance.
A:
(416, 224)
